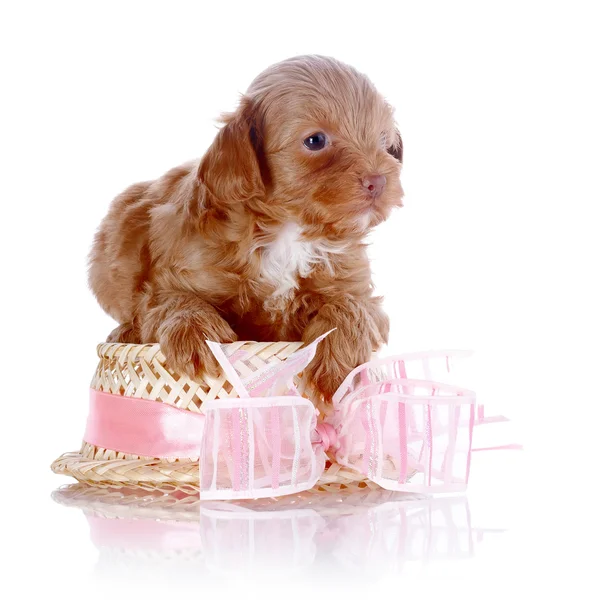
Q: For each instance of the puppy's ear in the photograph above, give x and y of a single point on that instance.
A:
(231, 171)
(397, 148)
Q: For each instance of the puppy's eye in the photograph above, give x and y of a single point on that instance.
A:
(316, 141)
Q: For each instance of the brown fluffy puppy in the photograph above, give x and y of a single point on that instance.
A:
(263, 238)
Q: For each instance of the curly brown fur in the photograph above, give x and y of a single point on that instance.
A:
(262, 238)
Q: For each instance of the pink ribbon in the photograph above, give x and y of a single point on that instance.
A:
(143, 427)
(327, 436)
(399, 421)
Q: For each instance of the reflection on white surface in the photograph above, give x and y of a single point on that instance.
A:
(371, 533)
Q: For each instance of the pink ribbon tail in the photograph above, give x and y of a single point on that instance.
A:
(504, 447)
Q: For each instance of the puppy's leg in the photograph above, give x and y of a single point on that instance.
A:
(182, 323)
(126, 333)
(361, 328)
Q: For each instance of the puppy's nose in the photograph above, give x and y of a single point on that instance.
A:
(374, 184)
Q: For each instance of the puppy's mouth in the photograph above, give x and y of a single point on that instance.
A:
(369, 204)
(366, 213)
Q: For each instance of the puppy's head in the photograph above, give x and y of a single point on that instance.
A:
(312, 141)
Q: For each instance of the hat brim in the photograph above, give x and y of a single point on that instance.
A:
(109, 469)
(129, 472)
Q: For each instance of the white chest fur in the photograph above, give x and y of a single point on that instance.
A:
(288, 257)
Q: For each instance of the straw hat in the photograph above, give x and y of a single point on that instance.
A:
(139, 371)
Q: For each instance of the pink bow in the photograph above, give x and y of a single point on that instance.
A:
(399, 421)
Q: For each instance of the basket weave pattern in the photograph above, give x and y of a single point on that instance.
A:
(139, 371)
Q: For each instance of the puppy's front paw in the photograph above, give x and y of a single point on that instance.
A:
(183, 342)
(358, 333)
(336, 356)
(124, 334)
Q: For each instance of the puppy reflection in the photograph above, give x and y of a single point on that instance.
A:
(263, 238)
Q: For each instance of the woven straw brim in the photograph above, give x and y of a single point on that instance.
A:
(108, 469)
(139, 371)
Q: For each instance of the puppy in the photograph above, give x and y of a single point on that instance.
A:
(263, 238)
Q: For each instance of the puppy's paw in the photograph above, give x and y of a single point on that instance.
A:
(124, 334)
(183, 342)
(336, 355)
(324, 377)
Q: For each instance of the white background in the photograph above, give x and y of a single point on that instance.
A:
(495, 250)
